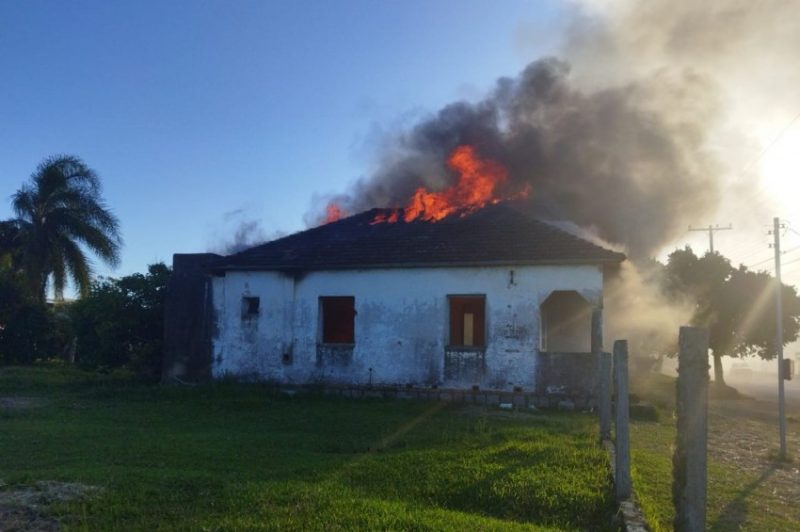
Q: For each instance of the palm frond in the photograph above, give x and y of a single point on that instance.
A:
(58, 270)
(24, 204)
(59, 212)
(79, 266)
(104, 243)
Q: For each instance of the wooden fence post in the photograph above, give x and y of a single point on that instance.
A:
(622, 482)
(689, 463)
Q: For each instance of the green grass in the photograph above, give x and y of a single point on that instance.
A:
(737, 498)
(228, 457)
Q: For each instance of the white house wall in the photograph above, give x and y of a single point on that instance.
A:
(401, 323)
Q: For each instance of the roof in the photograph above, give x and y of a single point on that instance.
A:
(496, 235)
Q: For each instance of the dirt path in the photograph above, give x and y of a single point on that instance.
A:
(743, 434)
(24, 507)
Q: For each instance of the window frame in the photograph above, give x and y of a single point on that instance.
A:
(247, 307)
(480, 329)
(326, 340)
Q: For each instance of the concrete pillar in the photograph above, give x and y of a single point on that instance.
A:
(597, 330)
(604, 376)
(604, 396)
(622, 482)
(689, 463)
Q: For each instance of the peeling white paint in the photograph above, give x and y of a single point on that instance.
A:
(401, 325)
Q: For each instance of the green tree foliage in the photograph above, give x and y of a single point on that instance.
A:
(756, 320)
(60, 214)
(120, 322)
(29, 330)
(10, 249)
(736, 305)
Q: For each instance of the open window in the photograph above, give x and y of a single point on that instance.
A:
(467, 321)
(566, 323)
(338, 319)
(250, 307)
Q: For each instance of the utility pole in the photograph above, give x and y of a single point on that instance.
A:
(711, 229)
(776, 231)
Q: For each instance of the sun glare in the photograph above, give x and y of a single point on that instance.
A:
(780, 168)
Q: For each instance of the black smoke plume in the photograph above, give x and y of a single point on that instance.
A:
(627, 161)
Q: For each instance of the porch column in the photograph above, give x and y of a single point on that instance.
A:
(604, 377)
(597, 330)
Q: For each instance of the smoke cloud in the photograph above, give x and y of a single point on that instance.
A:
(636, 130)
(615, 159)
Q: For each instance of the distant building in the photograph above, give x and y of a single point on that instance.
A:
(495, 300)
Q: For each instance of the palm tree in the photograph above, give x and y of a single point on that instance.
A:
(60, 214)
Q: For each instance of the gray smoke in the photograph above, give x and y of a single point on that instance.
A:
(247, 234)
(240, 230)
(631, 132)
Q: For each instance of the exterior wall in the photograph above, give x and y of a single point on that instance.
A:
(188, 321)
(401, 325)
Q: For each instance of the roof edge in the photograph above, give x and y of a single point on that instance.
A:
(462, 264)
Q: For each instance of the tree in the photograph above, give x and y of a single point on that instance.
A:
(60, 212)
(736, 305)
(120, 323)
(703, 281)
(755, 333)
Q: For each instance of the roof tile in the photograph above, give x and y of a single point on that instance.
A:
(500, 234)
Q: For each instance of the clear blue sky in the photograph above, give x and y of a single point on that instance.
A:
(189, 110)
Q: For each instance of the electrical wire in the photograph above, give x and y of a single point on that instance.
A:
(791, 262)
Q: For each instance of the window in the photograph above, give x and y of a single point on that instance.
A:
(338, 319)
(467, 321)
(250, 307)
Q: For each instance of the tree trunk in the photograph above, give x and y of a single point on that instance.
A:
(719, 380)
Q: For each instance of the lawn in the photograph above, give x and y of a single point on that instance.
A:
(235, 457)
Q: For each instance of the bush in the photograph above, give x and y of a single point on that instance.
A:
(120, 324)
(643, 412)
(29, 330)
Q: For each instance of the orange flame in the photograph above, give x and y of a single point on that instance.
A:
(477, 180)
(383, 217)
(333, 213)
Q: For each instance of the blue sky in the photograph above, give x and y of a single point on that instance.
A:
(191, 110)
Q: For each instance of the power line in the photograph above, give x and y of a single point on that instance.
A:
(747, 244)
(792, 272)
(759, 262)
(770, 144)
(791, 250)
(792, 261)
(755, 252)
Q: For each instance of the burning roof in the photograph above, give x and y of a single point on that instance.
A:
(498, 234)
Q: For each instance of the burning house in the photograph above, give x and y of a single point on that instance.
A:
(493, 298)
(460, 289)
